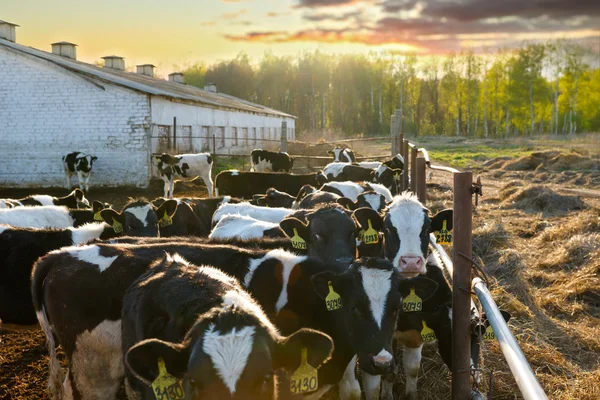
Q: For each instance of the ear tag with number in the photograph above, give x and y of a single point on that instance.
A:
(427, 333)
(371, 236)
(117, 226)
(489, 333)
(305, 379)
(166, 386)
(97, 216)
(333, 300)
(444, 236)
(361, 235)
(297, 241)
(166, 220)
(412, 302)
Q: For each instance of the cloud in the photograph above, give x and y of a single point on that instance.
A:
(272, 14)
(393, 6)
(329, 3)
(234, 15)
(333, 17)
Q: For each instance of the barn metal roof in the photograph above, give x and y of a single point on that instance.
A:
(148, 84)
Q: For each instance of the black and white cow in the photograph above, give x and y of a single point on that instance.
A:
(99, 275)
(80, 164)
(270, 161)
(396, 162)
(242, 227)
(351, 190)
(188, 166)
(389, 177)
(75, 199)
(246, 184)
(341, 172)
(45, 217)
(222, 345)
(342, 155)
(184, 222)
(204, 208)
(267, 214)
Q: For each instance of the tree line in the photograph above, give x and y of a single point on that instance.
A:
(537, 88)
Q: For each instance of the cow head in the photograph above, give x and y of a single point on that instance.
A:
(140, 217)
(388, 177)
(406, 228)
(329, 233)
(75, 199)
(365, 301)
(84, 162)
(275, 198)
(370, 199)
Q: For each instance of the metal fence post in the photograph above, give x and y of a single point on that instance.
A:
(461, 285)
(283, 147)
(420, 178)
(413, 169)
(393, 133)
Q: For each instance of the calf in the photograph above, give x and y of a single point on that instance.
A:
(75, 199)
(341, 172)
(270, 161)
(205, 208)
(371, 199)
(396, 162)
(216, 340)
(234, 226)
(275, 198)
(389, 177)
(80, 164)
(183, 223)
(245, 184)
(190, 166)
(351, 190)
(342, 155)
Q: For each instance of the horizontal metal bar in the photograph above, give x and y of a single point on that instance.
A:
(521, 370)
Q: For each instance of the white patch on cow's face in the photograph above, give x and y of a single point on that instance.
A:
(229, 352)
(336, 154)
(374, 200)
(377, 284)
(44, 199)
(87, 232)
(141, 213)
(91, 254)
(408, 216)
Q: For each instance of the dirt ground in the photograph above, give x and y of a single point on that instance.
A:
(537, 235)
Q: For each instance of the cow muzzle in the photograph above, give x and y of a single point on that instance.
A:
(383, 363)
(411, 264)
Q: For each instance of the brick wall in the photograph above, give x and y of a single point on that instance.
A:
(47, 112)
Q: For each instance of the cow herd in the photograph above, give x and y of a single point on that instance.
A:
(282, 286)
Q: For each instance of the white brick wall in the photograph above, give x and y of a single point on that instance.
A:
(47, 112)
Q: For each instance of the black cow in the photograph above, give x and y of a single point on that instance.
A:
(275, 198)
(245, 184)
(270, 161)
(342, 155)
(222, 344)
(80, 164)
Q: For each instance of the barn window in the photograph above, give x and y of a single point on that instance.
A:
(254, 135)
(164, 138)
(234, 136)
(245, 136)
(221, 136)
(184, 139)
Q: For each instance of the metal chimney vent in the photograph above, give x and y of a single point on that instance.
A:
(114, 62)
(8, 31)
(176, 77)
(145, 69)
(65, 49)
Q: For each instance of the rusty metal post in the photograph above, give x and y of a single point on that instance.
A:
(283, 137)
(393, 133)
(461, 285)
(413, 169)
(405, 149)
(420, 178)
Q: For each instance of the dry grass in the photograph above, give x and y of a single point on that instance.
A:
(543, 199)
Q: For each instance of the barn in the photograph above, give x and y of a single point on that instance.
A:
(52, 104)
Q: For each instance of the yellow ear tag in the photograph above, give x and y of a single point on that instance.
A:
(305, 379)
(297, 241)
(166, 386)
(97, 216)
(371, 236)
(361, 235)
(117, 226)
(333, 300)
(412, 302)
(489, 333)
(166, 220)
(427, 333)
(443, 236)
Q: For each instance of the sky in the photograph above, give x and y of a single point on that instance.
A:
(175, 33)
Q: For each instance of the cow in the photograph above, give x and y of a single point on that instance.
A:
(189, 166)
(99, 275)
(342, 155)
(351, 190)
(389, 177)
(396, 162)
(267, 214)
(222, 345)
(341, 172)
(371, 199)
(45, 217)
(183, 223)
(242, 227)
(245, 184)
(275, 198)
(204, 208)
(270, 161)
(81, 164)
(319, 197)
(75, 199)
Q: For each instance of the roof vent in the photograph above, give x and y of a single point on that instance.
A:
(8, 31)
(176, 77)
(146, 69)
(210, 87)
(65, 49)
(114, 62)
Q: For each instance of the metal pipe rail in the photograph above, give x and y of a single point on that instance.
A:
(521, 370)
(436, 167)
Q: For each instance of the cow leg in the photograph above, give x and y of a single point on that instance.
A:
(349, 388)
(412, 364)
(209, 184)
(165, 187)
(68, 175)
(371, 385)
(80, 180)
(171, 188)
(87, 182)
(97, 362)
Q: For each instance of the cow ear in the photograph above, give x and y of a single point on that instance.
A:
(78, 193)
(437, 221)
(293, 227)
(423, 287)
(167, 208)
(346, 203)
(316, 346)
(143, 359)
(113, 218)
(94, 158)
(322, 280)
(365, 214)
(97, 206)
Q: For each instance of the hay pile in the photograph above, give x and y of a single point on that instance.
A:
(541, 199)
